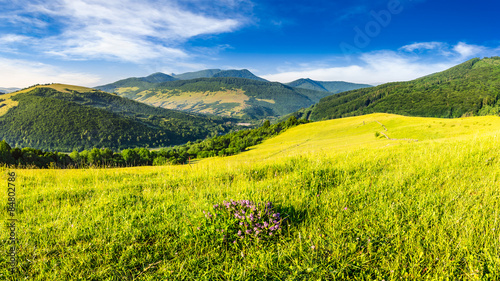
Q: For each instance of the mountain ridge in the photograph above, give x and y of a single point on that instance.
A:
(326, 86)
(467, 89)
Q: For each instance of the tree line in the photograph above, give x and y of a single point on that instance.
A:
(224, 145)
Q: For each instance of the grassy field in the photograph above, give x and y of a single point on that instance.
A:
(224, 103)
(422, 203)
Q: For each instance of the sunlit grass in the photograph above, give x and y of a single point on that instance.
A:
(359, 207)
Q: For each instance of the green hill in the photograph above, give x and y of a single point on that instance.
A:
(244, 73)
(207, 73)
(471, 88)
(326, 86)
(235, 97)
(217, 73)
(63, 118)
(137, 82)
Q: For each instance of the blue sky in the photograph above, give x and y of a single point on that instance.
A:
(94, 42)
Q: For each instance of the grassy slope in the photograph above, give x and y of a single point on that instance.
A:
(372, 208)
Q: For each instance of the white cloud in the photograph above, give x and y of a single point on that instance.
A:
(123, 30)
(13, 38)
(22, 73)
(466, 50)
(423, 46)
(388, 66)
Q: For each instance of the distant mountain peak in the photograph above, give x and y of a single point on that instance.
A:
(219, 73)
(158, 77)
(326, 86)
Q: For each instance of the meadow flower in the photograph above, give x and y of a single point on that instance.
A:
(244, 219)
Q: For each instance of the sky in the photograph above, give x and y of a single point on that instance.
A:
(95, 42)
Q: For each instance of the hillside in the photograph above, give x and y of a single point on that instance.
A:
(244, 73)
(218, 73)
(63, 118)
(326, 86)
(355, 206)
(207, 73)
(136, 82)
(143, 83)
(471, 88)
(231, 97)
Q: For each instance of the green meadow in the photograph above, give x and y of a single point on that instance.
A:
(374, 197)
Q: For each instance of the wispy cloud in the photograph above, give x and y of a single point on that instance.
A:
(388, 66)
(13, 72)
(123, 30)
(466, 50)
(423, 46)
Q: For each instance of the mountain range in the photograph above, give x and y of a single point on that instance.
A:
(8, 90)
(326, 86)
(230, 93)
(65, 117)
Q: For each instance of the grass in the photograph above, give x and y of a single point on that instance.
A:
(359, 208)
(226, 103)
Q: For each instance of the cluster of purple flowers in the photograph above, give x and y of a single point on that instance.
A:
(244, 220)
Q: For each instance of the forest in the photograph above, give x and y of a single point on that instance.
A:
(224, 145)
(64, 121)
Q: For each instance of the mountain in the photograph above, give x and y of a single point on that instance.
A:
(207, 73)
(217, 73)
(326, 86)
(137, 82)
(471, 88)
(63, 117)
(231, 97)
(244, 73)
(8, 90)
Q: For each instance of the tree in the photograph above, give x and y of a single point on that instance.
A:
(266, 124)
(131, 157)
(5, 154)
